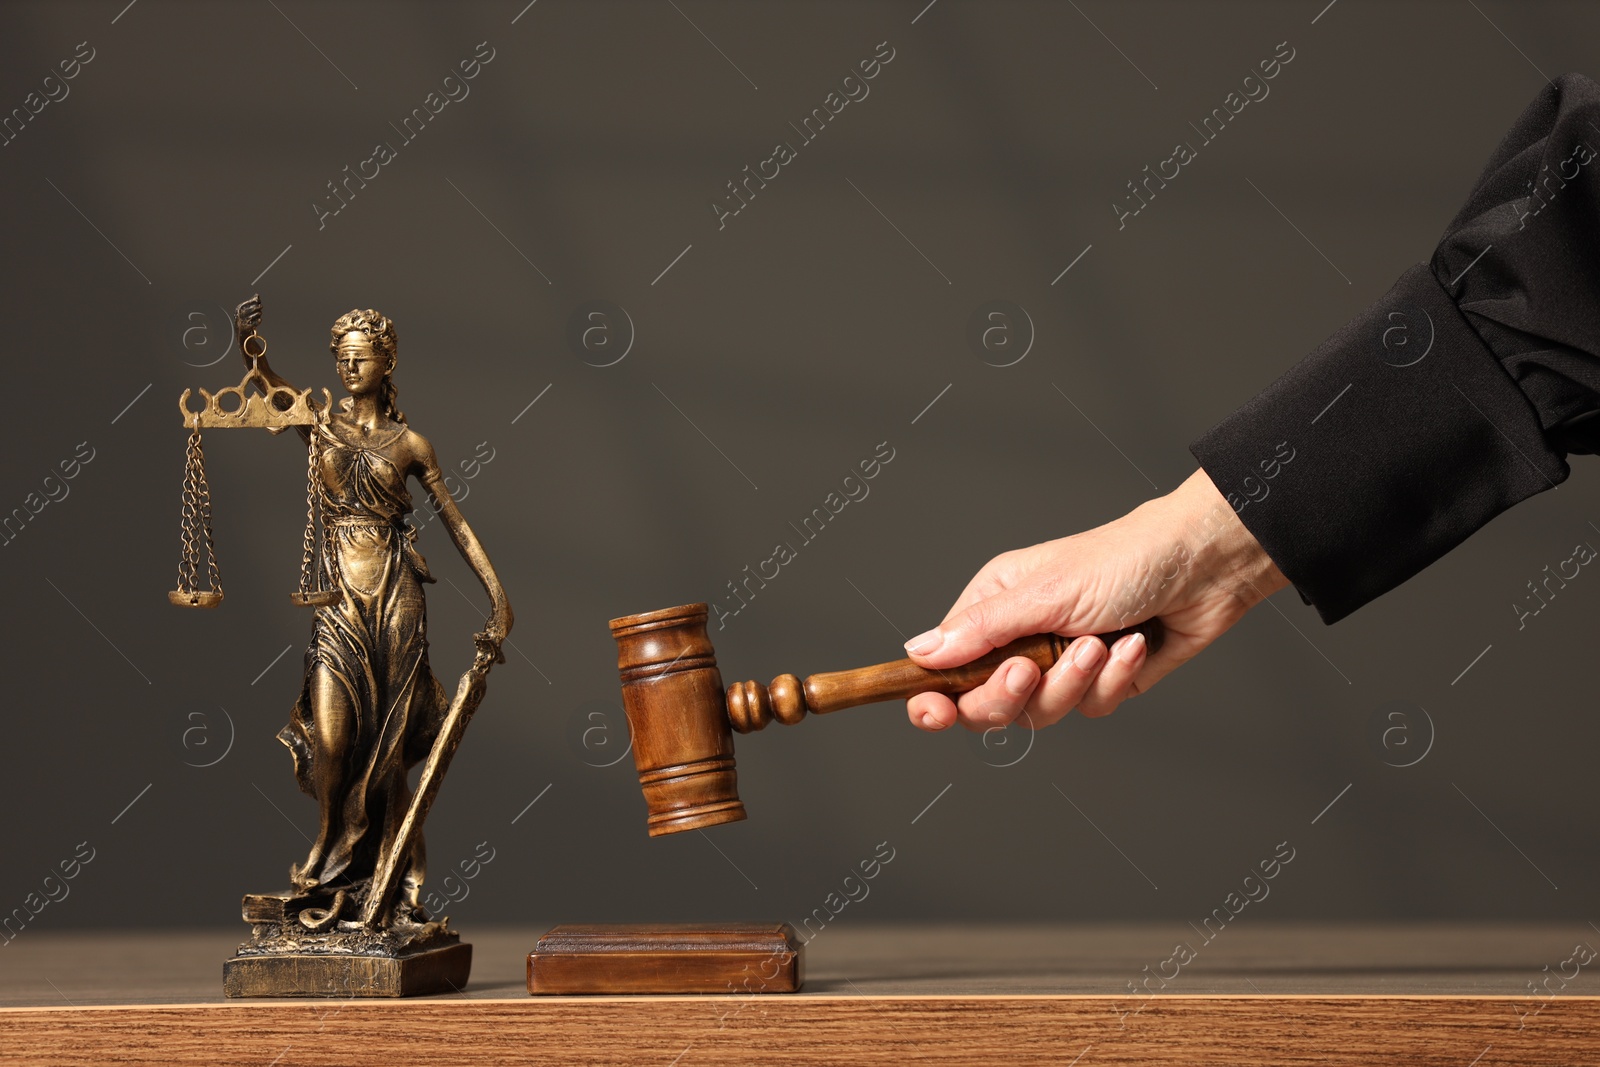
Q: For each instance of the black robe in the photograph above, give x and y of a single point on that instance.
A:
(1458, 394)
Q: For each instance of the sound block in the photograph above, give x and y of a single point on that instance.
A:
(667, 958)
(326, 974)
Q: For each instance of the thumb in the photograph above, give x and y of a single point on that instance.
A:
(986, 625)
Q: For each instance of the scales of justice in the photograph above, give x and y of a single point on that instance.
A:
(370, 708)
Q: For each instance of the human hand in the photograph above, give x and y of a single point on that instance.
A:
(489, 639)
(246, 317)
(1184, 558)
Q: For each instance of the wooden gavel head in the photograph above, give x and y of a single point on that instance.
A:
(682, 739)
(683, 721)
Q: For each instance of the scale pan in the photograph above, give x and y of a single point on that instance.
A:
(196, 598)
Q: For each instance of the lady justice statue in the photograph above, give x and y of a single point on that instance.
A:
(369, 708)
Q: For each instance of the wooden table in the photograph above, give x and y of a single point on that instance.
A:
(1259, 993)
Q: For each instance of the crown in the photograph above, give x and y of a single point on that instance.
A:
(271, 407)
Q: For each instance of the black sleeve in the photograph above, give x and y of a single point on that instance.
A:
(1455, 396)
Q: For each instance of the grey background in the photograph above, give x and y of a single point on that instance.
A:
(796, 339)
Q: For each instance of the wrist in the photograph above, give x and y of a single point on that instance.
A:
(1223, 548)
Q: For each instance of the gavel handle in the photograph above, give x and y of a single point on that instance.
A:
(751, 705)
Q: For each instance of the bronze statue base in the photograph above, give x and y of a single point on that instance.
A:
(301, 947)
(312, 974)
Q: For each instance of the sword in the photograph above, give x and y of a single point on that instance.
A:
(469, 694)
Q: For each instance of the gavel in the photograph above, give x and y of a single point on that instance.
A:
(683, 722)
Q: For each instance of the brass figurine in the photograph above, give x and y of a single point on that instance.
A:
(370, 707)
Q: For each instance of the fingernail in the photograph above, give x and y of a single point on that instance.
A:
(1086, 653)
(1018, 679)
(922, 644)
(930, 723)
(1129, 647)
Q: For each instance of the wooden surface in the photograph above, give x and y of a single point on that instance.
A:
(1260, 994)
(667, 958)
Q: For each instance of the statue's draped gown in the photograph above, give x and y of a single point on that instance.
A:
(374, 644)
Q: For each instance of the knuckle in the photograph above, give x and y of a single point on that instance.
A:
(1046, 586)
(986, 707)
(1055, 697)
(980, 618)
(1099, 705)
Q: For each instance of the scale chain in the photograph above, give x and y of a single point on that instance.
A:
(329, 555)
(319, 563)
(203, 493)
(195, 528)
(308, 545)
(189, 560)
